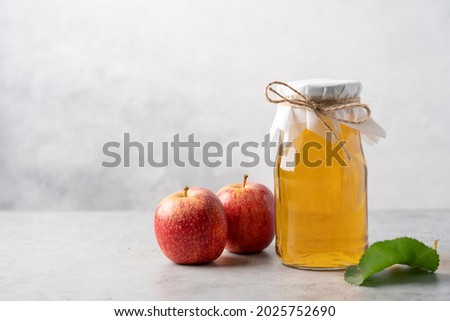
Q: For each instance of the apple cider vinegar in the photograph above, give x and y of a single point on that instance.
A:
(321, 212)
(320, 178)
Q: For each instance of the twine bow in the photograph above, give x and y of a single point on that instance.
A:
(321, 108)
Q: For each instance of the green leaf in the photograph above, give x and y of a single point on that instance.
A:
(381, 255)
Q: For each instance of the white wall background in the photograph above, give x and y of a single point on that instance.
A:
(76, 74)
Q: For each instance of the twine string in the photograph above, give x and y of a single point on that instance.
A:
(321, 108)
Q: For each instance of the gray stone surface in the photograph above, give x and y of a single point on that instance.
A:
(114, 256)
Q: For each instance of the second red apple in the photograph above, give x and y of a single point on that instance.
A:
(250, 211)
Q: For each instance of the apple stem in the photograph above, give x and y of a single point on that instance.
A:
(186, 188)
(245, 180)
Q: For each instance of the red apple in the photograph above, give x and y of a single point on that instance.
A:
(250, 211)
(190, 226)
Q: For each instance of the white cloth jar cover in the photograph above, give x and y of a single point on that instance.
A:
(290, 121)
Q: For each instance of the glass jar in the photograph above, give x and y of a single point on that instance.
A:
(321, 201)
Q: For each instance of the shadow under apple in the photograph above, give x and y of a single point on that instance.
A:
(229, 259)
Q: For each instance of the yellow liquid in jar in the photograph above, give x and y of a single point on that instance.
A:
(321, 212)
